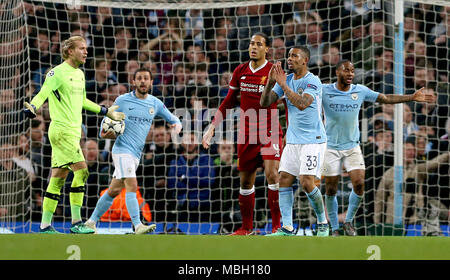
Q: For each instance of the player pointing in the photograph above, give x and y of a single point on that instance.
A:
(141, 108)
(260, 135)
(342, 128)
(64, 87)
(305, 136)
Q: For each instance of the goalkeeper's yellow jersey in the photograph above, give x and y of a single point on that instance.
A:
(65, 89)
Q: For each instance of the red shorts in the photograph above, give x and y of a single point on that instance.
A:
(252, 156)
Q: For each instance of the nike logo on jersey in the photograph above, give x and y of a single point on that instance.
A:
(130, 109)
(56, 93)
(332, 95)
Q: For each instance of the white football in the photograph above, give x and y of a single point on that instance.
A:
(111, 125)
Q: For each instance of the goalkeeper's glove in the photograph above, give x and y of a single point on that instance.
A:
(30, 110)
(112, 114)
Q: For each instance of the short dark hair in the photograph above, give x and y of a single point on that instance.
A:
(339, 64)
(304, 49)
(143, 69)
(266, 38)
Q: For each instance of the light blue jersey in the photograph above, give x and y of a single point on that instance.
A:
(341, 114)
(139, 117)
(304, 127)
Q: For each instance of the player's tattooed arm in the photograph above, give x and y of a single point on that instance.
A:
(300, 100)
(268, 96)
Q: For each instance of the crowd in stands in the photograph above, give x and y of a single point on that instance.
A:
(192, 54)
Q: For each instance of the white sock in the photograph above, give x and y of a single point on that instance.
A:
(247, 192)
(274, 187)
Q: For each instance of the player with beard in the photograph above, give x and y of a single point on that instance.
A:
(305, 137)
(141, 108)
(342, 102)
(260, 135)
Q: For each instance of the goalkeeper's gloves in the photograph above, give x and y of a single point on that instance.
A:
(111, 113)
(30, 110)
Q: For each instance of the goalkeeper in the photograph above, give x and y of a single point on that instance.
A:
(64, 87)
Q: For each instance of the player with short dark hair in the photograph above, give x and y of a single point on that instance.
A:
(342, 102)
(259, 140)
(141, 108)
(305, 137)
(64, 87)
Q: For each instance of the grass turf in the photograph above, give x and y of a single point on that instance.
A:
(214, 247)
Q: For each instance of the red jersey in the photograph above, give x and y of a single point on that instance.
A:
(250, 84)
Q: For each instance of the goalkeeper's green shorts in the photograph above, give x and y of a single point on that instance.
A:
(66, 148)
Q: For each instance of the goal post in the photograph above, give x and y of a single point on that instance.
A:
(398, 111)
(192, 48)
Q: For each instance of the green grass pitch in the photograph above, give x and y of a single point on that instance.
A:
(215, 247)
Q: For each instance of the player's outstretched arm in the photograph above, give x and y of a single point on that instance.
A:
(112, 114)
(420, 95)
(102, 110)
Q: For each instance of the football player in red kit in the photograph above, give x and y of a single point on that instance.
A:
(260, 135)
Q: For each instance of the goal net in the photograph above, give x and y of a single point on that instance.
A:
(192, 48)
(16, 167)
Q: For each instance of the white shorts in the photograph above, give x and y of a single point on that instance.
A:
(303, 159)
(351, 159)
(125, 166)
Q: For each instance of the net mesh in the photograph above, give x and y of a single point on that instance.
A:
(16, 168)
(192, 48)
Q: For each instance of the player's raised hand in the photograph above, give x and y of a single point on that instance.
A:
(206, 141)
(422, 95)
(29, 111)
(112, 114)
(272, 74)
(279, 75)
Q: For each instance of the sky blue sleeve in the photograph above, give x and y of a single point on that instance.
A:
(369, 95)
(278, 90)
(313, 86)
(166, 114)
